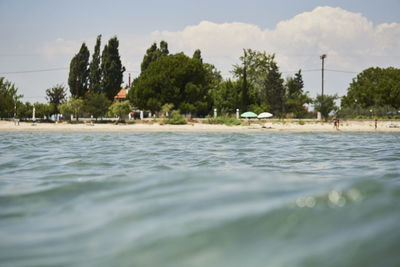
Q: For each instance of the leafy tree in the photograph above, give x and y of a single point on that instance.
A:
(120, 109)
(226, 97)
(96, 104)
(153, 53)
(95, 70)
(374, 87)
(111, 68)
(166, 108)
(325, 104)
(213, 76)
(259, 108)
(44, 110)
(56, 96)
(274, 90)
(8, 98)
(73, 106)
(262, 72)
(175, 79)
(24, 110)
(197, 55)
(78, 78)
(244, 99)
(296, 98)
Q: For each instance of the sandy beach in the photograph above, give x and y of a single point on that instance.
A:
(275, 126)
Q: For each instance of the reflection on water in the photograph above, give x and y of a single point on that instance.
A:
(207, 199)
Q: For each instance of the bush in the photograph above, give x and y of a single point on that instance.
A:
(175, 118)
(225, 119)
(120, 109)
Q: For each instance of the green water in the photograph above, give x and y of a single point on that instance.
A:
(199, 199)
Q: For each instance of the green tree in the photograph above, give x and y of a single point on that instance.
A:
(153, 53)
(244, 99)
(56, 96)
(374, 87)
(296, 98)
(120, 109)
(95, 70)
(8, 98)
(74, 106)
(226, 97)
(175, 79)
(325, 104)
(96, 104)
(166, 108)
(78, 78)
(112, 69)
(24, 110)
(44, 110)
(262, 73)
(197, 55)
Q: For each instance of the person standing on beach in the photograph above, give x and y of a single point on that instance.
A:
(334, 119)
(376, 123)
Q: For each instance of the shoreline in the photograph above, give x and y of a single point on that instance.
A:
(282, 126)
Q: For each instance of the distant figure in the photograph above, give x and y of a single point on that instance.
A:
(337, 123)
(376, 123)
(334, 119)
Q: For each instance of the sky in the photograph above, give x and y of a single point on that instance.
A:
(39, 38)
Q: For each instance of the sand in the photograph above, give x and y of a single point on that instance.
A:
(274, 126)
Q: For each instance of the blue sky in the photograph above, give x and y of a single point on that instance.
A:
(40, 35)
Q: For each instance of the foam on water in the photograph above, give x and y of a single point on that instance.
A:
(208, 199)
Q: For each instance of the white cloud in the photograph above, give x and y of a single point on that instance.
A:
(60, 47)
(349, 39)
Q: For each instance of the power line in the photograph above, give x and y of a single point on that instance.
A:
(21, 55)
(32, 71)
(343, 71)
(135, 71)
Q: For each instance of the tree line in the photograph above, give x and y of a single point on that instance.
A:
(190, 85)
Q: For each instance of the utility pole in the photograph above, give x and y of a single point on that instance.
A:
(322, 71)
(323, 61)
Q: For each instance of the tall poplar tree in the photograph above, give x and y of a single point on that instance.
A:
(245, 91)
(111, 69)
(78, 79)
(295, 98)
(95, 70)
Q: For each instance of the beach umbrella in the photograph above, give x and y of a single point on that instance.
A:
(264, 115)
(248, 114)
(33, 114)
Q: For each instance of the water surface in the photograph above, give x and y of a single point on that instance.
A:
(199, 199)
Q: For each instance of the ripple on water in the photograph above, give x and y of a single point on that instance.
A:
(199, 199)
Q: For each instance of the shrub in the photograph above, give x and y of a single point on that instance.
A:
(120, 109)
(225, 119)
(175, 118)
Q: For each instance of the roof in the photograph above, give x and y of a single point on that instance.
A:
(121, 94)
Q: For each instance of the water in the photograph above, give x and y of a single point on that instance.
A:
(199, 199)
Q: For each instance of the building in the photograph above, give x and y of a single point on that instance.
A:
(121, 96)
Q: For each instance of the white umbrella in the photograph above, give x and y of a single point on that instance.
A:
(33, 114)
(264, 115)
